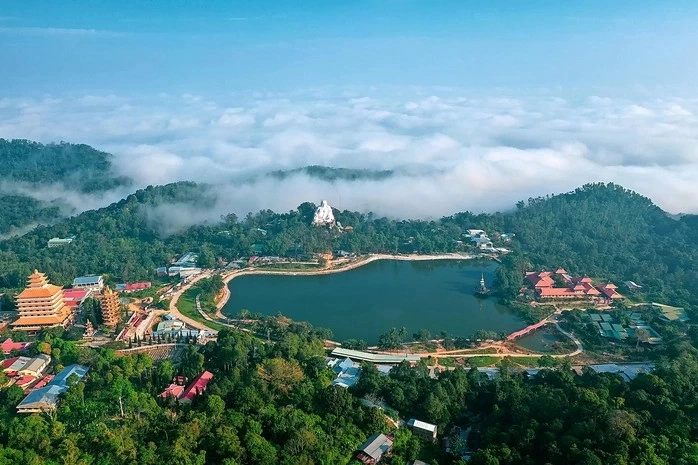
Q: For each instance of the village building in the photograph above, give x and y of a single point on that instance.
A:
(60, 242)
(36, 366)
(133, 287)
(41, 305)
(187, 395)
(422, 429)
(373, 450)
(560, 285)
(92, 283)
(46, 398)
(348, 373)
(73, 298)
(110, 307)
(9, 345)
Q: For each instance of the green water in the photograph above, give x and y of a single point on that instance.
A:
(367, 301)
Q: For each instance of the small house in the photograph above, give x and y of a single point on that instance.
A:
(92, 283)
(373, 450)
(422, 429)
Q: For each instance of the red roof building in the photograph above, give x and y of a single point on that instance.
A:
(73, 298)
(137, 286)
(9, 345)
(173, 390)
(609, 290)
(25, 381)
(197, 387)
(577, 287)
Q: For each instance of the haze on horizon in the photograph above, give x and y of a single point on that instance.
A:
(478, 104)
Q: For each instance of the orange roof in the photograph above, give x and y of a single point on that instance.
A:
(544, 282)
(585, 279)
(561, 271)
(41, 320)
(33, 292)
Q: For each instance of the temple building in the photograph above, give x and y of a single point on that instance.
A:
(41, 305)
(111, 307)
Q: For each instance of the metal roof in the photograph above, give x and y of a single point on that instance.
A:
(414, 423)
(86, 280)
(374, 358)
(62, 377)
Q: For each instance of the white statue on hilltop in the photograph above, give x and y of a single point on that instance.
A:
(323, 215)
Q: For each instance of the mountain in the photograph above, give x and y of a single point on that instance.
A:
(42, 183)
(326, 173)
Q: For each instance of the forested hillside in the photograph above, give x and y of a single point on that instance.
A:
(273, 404)
(33, 171)
(610, 232)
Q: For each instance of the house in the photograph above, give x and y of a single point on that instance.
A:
(173, 391)
(8, 345)
(188, 260)
(348, 372)
(609, 290)
(46, 398)
(422, 429)
(12, 365)
(133, 287)
(93, 283)
(161, 271)
(187, 272)
(481, 242)
(374, 448)
(60, 242)
(475, 233)
(35, 366)
(197, 387)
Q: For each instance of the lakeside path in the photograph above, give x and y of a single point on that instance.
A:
(340, 266)
(175, 297)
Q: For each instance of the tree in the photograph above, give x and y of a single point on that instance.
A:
(422, 336)
(393, 338)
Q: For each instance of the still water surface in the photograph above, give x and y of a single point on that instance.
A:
(367, 301)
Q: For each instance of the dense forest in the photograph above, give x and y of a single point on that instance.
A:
(272, 403)
(51, 171)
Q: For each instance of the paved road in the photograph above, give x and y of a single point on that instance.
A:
(177, 294)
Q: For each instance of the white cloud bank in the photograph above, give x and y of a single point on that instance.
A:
(463, 152)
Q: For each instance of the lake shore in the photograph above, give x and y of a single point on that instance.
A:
(336, 266)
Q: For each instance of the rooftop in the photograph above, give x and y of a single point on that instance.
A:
(414, 423)
(374, 358)
(87, 280)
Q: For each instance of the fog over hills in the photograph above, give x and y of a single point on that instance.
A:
(458, 151)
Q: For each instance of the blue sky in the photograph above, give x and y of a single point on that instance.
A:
(475, 104)
(70, 46)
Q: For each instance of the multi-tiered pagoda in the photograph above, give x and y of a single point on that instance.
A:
(111, 308)
(41, 305)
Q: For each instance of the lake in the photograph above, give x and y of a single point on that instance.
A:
(365, 302)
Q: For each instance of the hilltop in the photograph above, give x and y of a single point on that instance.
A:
(41, 181)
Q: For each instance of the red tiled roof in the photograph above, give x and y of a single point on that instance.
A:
(25, 380)
(137, 286)
(9, 345)
(197, 386)
(7, 363)
(561, 271)
(173, 390)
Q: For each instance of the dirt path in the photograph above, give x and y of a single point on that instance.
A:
(175, 297)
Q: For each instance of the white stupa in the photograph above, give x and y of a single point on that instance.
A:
(323, 215)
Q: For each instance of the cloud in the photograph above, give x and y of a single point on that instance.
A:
(450, 152)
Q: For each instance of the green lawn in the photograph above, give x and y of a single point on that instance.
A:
(483, 361)
(187, 306)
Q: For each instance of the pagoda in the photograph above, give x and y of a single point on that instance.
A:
(482, 290)
(111, 308)
(41, 305)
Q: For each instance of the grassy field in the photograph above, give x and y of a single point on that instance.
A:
(187, 306)
(483, 361)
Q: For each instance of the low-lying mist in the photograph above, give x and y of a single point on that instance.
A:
(436, 154)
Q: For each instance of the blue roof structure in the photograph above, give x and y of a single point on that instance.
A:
(47, 396)
(65, 373)
(343, 365)
(86, 280)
